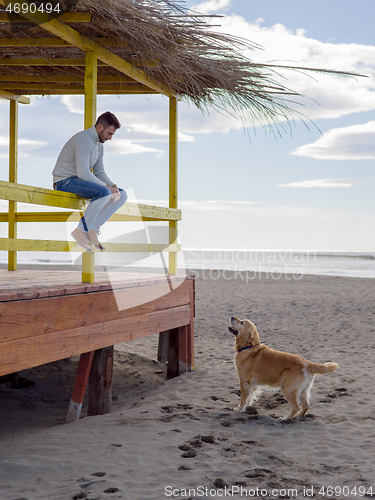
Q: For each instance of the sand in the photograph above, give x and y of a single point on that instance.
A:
(180, 438)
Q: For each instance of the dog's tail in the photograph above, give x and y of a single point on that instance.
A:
(319, 369)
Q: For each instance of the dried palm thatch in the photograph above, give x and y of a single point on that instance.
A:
(171, 45)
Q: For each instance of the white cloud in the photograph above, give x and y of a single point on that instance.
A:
(125, 147)
(356, 142)
(212, 6)
(322, 183)
(25, 146)
(205, 206)
(335, 96)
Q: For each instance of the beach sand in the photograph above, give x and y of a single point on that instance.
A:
(180, 438)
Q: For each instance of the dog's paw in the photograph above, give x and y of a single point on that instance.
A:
(238, 408)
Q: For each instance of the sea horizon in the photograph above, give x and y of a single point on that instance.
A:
(273, 262)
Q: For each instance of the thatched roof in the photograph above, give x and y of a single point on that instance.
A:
(160, 38)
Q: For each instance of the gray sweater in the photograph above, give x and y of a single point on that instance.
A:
(80, 154)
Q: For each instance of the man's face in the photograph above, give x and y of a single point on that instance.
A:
(105, 134)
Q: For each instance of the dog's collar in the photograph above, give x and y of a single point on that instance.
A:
(246, 347)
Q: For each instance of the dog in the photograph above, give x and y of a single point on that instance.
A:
(260, 366)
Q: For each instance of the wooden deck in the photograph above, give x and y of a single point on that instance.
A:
(50, 315)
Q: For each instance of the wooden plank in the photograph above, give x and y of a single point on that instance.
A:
(55, 42)
(173, 178)
(72, 217)
(100, 382)
(163, 346)
(190, 328)
(14, 97)
(80, 384)
(49, 197)
(34, 351)
(67, 17)
(13, 174)
(28, 318)
(23, 245)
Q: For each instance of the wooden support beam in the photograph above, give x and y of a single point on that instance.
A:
(24, 245)
(61, 88)
(14, 97)
(43, 61)
(66, 17)
(58, 28)
(75, 217)
(100, 382)
(50, 78)
(55, 42)
(173, 182)
(13, 168)
(49, 197)
(91, 78)
(80, 385)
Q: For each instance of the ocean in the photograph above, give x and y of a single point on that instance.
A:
(272, 262)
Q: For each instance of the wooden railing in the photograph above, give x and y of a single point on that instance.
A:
(74, 207)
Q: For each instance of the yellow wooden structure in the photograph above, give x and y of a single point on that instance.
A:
(130, 80)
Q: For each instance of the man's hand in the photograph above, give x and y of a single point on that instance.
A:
(116, 195)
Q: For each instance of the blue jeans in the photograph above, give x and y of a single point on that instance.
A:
(101, 206)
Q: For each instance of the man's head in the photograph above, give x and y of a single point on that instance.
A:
(106, 125)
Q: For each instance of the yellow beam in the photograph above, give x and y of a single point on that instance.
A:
(55, 42)
(72, 36)
(26, 245)
(42, 61)
(71, 88)
(13, 166)
(91, 78)
(75, 217)
(9, 77)
(14, 97)
(173, 183)
(40, 196)
(48, 197)
(66, 17)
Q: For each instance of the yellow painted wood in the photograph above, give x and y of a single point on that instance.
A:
(58, 28)
(63, 78)
(41, 196)
(91, 80)
(55, 42)
(66, 17)
(28, 245)
(61, 88)
(14, 97)
(173, 181)
(13, 166)
(42, 61)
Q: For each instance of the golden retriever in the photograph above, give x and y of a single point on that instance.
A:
(259, 366)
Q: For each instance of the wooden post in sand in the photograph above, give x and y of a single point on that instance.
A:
(79, 388)
(100, 382)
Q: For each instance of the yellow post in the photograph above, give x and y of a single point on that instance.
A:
(173, 164)
(91, 80)
(13, 164)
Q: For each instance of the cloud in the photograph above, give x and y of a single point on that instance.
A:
(125, 147)
(328, 96)
(322, 183)
(356, 142)
(205, 206)
(212, 6)
(25, 146)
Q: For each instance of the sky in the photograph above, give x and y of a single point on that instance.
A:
(240, 187)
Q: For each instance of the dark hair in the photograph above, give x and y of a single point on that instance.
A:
(108, 119)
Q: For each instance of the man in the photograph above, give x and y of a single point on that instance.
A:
(79, 169)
